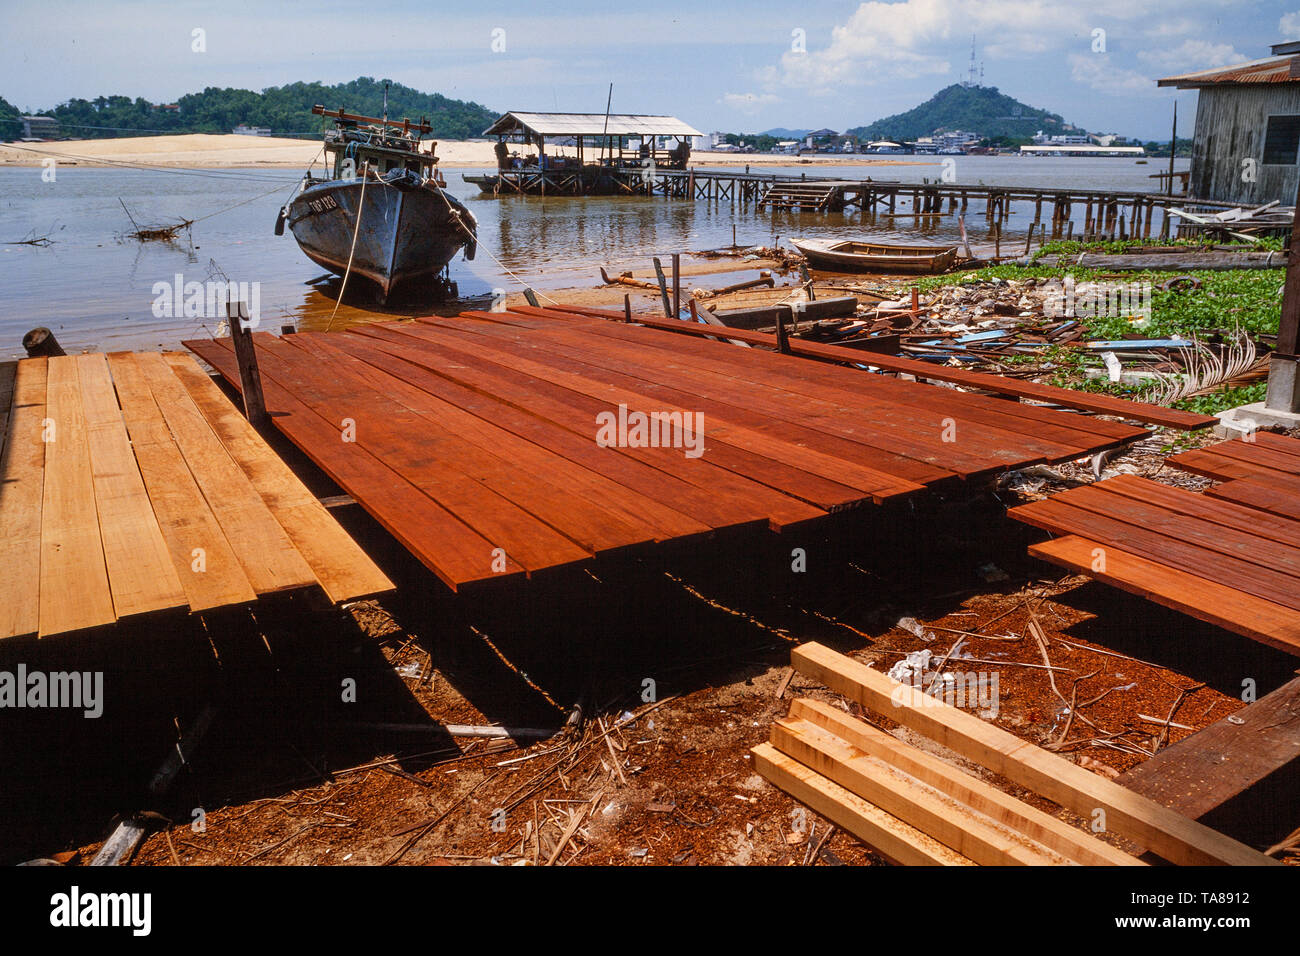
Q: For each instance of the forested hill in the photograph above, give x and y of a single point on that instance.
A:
(974, 109)
(286, 110)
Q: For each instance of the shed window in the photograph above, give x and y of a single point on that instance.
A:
(1282, 140)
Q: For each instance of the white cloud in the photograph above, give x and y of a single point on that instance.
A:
(1289, 25)
(1192, 55)
(749, 103)
(1096, 70)
(881, 40)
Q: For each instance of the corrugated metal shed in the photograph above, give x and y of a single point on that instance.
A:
(590, 124)
(1272, 69)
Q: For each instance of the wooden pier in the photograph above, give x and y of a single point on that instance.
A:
(1056, 213)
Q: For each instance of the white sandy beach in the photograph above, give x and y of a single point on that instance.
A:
(215, 151)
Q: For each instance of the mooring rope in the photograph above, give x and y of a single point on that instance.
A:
(356, 231)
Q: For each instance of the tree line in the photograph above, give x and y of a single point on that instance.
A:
(285, 110)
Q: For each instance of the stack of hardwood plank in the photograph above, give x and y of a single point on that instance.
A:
(916, 809)
(130, 486)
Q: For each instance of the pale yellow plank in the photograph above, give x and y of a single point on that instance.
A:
(22, 487)
(268, 557)
(342, 568)
(74, 579)
(206, 565)
(140, 572)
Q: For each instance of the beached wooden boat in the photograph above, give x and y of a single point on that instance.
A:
(384, 213)
(852, 255)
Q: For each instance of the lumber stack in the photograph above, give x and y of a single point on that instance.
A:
(133, 487)
(916, 809)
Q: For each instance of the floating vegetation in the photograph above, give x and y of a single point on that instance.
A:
(157, 233)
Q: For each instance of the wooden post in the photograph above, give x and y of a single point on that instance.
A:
(782, 342)
(916, 301)
(1173, 148)
(807, 282)
(1283, 381)
(250, 378)
(627, 307)
(531, 296)
(41, 341)
(677, 285)
(1030, 237)
(663, 288)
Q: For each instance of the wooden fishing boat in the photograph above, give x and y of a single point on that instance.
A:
(852, 255)
(384, 212)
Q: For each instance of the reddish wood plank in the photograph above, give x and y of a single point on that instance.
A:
(851, 431)
(1061, 517)
(1088, 401)
(383, 428)
(1206, 600)
(1260, 496)
(1213, 464)
(584, 507)
(566, 455)
(656, 479)
(1231, 516)
(445, 545)
(1081, 433)
(728, 469)
(851, 474)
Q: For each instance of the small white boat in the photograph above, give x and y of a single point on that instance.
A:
(852, 255)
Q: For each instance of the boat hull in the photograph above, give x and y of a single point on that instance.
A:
(406, 231)
(902, 259)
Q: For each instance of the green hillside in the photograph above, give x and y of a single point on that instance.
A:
(286, 110)
(974, 109)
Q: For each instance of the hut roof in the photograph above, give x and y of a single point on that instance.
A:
(590, 124)
(1271, 69)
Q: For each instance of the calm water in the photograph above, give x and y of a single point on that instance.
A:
(95, 289)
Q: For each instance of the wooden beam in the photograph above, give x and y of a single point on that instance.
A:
(1056, 835)
(897, 841)
(249, 376)
(1207, 769)
(1164, 831)
(945, 819)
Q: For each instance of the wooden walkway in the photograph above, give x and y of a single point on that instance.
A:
(1216, 560)
(473, 439)
(130, 485)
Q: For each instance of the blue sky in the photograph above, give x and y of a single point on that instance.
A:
(722, 65)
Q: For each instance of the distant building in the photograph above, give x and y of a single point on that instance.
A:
(1246, 141)
(819, 137)
(242, 130)
(40, 127)
(1081, 149)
